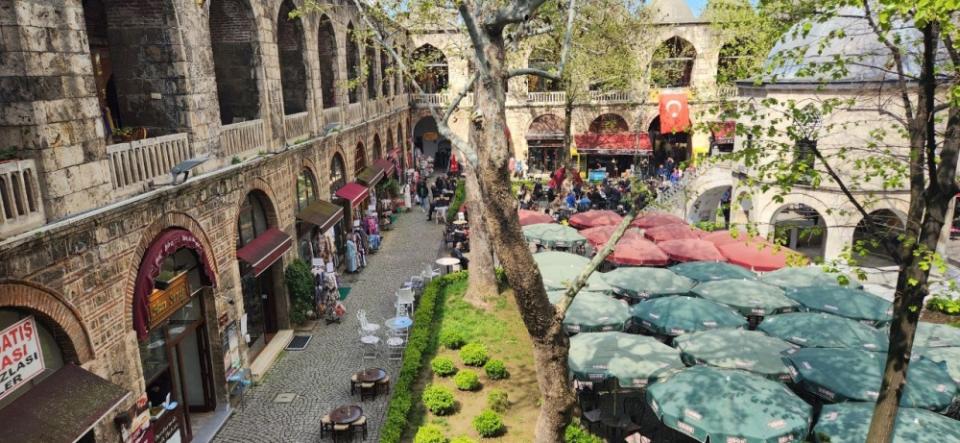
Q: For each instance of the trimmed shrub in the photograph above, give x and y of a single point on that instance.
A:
(474, 354)
(466, 380)
(452, 338)
(576, 434)
(299, 282)
(463, 439)
(498, 400)
(438, 400)
(430, 434)
(496, 370)
(488, 424)
(443, 366)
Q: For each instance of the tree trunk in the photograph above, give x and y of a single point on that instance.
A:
(482, 275)
(568, 134)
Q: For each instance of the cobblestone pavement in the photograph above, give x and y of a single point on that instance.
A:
(320, 374)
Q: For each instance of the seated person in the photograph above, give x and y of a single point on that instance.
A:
(458, 254)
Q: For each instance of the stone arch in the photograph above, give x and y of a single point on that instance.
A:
(544, 139)
(338, 161)
(291, 42)
(260, 185)
(672, 63)
(353, 64)
(235, 43)
(377, 147)
(708, 202)
(875, 241)
(436, 73)
(609, 123)
(329, 61)
(58, 315)
(802, 227)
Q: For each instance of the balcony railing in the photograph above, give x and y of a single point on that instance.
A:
(430, 99)
(242, 138)
(134, 164)
(547, 97)
(354, 113)
(725, 91)
(297, 126)
(21, 207)
(331, 118)
(610, 96)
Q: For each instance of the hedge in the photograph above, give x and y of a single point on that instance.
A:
(422, 342)
(458, 196)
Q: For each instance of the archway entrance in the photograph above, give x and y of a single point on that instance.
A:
(544, 144)
(801, 228)
(428, 140)
(872, 241)
(670, 147)
(713, 206)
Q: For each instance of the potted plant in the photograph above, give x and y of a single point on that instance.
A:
(163, 280)
(129, 134)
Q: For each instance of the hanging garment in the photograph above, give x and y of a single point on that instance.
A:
(351, 256)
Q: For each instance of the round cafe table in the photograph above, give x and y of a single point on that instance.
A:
(398, 323)
(371, 375)
(346, 414)
(447, 263)
(459, 222)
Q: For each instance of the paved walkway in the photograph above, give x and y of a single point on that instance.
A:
(319, 375)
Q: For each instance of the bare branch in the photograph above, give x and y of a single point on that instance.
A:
(567, 36)
(532, 71)
(897, 58)
(478, 37)
(516, 12)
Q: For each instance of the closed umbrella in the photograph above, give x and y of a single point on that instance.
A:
(934, 335)
(676, 315)
(822, 330)
(837, 375)
(661, 233)
(723, 237)
(807, 276)
(644, 283)
(727, 405)
(559, 277)
(633, 360)
(849, 423)
(528, 217)
(592, 311)
(735, 349)
(638, 252)
(551, 234)
(756, 256)
(600, 235)
(687, 250)
(949, 358)
(748, 297)
(709, 271)
(589, 219)
(653, 219)
(845, 302)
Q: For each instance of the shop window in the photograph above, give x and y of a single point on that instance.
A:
(306, 189)
(359, 158)
(252, 220)
(328, 62)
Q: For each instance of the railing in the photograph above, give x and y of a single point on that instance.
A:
(724, 91)
(610, 96)
(21, 207)
(430, 99)
(331, 117)
(242, 138)
(354, 113)
(134, 164)
(547, 97)
(297, 126)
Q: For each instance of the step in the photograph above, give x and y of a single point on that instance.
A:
(265, 360)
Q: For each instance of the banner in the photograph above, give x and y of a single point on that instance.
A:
(674, 113)
(21, 358)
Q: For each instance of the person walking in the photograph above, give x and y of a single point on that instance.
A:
(423, 195)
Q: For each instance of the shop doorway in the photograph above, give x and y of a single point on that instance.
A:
(260, 309)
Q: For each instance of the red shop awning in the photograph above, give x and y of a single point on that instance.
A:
(354, 193)
(621, 143)
(387, 166)
(265, 250)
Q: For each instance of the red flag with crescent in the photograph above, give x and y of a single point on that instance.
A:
(674, 113)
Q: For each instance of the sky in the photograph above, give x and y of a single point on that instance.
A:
(696, 6)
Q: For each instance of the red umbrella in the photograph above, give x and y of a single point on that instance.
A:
(652, 219)
(670, 232)
(638, 252)
(599, 235)
(528, 217)
(724, 237)
(593, 218)
(691, 250)
(757, 256)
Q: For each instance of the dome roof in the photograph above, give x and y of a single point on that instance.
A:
(671, 11)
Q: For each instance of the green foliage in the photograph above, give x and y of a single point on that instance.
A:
(488, 424)
(943, 304)
(496, 370)
(474, 354)
(708, 226)
(420, 344)
(430, 434)
(463, 439)
(452, 338)
(575, 433)
(467, 380)
(300, 288)
(458, 196)
(498, 400)
(393, 187)
(443, 366)
(439, 400)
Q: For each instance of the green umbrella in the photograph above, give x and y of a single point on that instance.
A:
(727, 405)
(556, 258)
(949, 358)
(634, 360)
(838, 375)
(746, 296)
(591, 311)
(845, 302)
(933, 335)
(701, 271)
(735, 349)
(821, 330)
(558, 277)
(552, 235)
(849, 423)
(676, 315)
(795, 278)
(644, 283)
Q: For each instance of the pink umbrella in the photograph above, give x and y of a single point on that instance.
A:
(691, 250)
(638, 252)
(724, 237)
(757, 256)
(652, 219)
(593, 218)
(528, 217)
(670, 232)
(599, 235)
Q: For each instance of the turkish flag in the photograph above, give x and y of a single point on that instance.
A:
(674, 113)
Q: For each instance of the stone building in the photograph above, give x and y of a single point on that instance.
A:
(161, 163)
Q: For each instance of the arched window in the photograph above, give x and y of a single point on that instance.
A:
(233, 38)
(545, 60)
(544, 143)
(370, 54)
(359, 158)
(609, 124)
(338, 173)
(801, 228)
(430, 67)
(306, 189)
(377, 147)
(328, 62)
(293, 72)
(386, 66)
(672, 64)
(734, 59)
(353, 64)
(252, 220)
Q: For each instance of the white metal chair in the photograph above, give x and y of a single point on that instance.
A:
(405, 298)
(369, 328)
(370, 345)
(395, 347)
